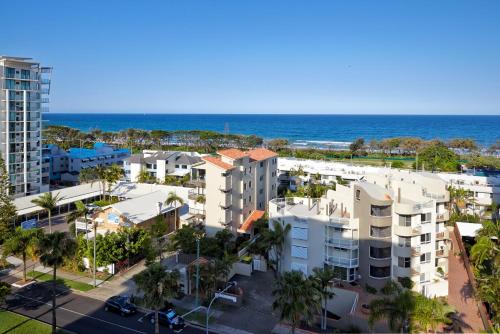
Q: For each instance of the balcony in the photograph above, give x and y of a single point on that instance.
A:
(408, 231)
(415, 251)
(415, 271)
(342, 243)
(443, 216)
(442, 253)
(342, 262)
(443, 235)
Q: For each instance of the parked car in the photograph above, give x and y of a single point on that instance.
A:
(120, 304)
(170, 318)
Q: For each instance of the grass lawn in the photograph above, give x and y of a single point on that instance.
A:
(196, 317)
(69, 283)
(13, 323)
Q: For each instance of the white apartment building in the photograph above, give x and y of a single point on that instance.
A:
(484, 189)
(24, 85)
(160, 164)
(370, 232)
(238, 186)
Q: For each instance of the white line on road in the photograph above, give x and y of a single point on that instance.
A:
(84, 315)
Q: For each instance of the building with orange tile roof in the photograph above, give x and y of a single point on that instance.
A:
(237, 184)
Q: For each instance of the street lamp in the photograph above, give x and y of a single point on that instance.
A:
(95, 237)
(217, 295)
(198, 236)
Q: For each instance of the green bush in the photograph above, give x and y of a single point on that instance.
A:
(370, 289)
(398, 164)
(406, 282)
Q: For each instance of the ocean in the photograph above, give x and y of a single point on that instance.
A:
(301, 129)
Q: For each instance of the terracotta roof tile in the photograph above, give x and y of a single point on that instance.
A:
(247, 225)
(232, 153)
(218, 162)
(261, 154)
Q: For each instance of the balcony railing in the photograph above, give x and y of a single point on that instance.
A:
(443, 235)
(415, 251)
(342, 243)
(444, 216)
(442, 253)
(338, 261)
(415, 271)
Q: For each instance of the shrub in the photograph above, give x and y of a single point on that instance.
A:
(398, 164)
(406, 282)
(370, 289)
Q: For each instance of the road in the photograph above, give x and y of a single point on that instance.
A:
(77, 313)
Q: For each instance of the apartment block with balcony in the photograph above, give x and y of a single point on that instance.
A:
(160, 164)
(370, 233)
(238, 186)
(24, 86)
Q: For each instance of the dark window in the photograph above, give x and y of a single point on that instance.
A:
(425, 258)
(425, 217)
(380, 232)
(380, 253)
(404, 262)
(380, 272)
(358, 194)
(425, 238)
(381, 210)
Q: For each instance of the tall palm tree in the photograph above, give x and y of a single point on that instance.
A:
(274, 239)
(81, 211)
(223, 265)
(396, 308)
(53, 249)
(48, 202)
(483, 250)
(158, 286)
(296, 298)
(21, 243)
(174, 199)
(429, 313)
(112, 175)
(323, 279)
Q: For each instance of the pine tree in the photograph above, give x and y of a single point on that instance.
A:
(7, 207)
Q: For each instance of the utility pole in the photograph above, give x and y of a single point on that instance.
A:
(198, 236)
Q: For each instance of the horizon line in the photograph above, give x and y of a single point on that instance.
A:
(259, 113)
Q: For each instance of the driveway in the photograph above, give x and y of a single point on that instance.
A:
(256, 314)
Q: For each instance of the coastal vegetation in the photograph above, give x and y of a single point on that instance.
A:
(399, 152)
(7, 207)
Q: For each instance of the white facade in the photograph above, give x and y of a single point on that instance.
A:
(337, 230)
(24, 85)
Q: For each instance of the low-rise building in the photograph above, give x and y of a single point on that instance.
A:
(237, 183)
(160, 164)
(60, 165)
(370, 233)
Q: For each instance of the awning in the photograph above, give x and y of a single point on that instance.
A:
(248, 224)
(468, 229)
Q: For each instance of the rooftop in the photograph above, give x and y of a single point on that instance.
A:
(232, 153)
(261, 154)
(218, 163)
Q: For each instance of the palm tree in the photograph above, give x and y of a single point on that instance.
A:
(429, 313)
(173, 198)
(158, 286)
(323, 279)
(274, 239)
(53, 249)
(81, 211)
(112, 175)
(396, 308)
(224, 265)
(296, 298)
(21, 243)
(483, 250)
(48, 202)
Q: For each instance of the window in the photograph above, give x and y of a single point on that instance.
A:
(261, 178)
(358, 194)
(425, 217)
(261, 191)
(299, 252)
(249, 184)
(425, 238)
(299, 267)
(380, 272)
(381, 210)
(404, 220)
(380, 253)
(404, 241)
(424, 277)
(404, 262)
(299, 233)
(380, 232)
(249, 199)
(262, 164)
(425, 258)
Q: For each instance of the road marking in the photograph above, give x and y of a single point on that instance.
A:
(83, 315)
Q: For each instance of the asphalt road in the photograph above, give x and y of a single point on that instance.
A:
(77, 313)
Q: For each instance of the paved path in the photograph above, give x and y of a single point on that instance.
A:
(460, 292)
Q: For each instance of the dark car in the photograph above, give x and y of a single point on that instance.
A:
(120, 304)
(168, 318)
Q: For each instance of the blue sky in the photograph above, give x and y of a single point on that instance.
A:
(419, 57)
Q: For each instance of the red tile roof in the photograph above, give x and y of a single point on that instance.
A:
(232, 153)
(247, 225)
(218, 162)
(261, 154)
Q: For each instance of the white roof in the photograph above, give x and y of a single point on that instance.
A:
(66, 196)
(180, 172)
(133, 190)
(468, 229)
(142, 208)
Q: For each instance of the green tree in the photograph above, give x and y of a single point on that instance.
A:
(429, 313)
(357, 145)
(396, 308)
(48, 203)
(174, 199)
(485, 249)
(274, 239)
(296, 297)
(224, 265)
(436, 156)
(145, 177)
(4, 291)
(158, 286)
(7, 207)
(22, 243)
(323, 280)
(111, 175)
(81, 211)
(53, 249)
